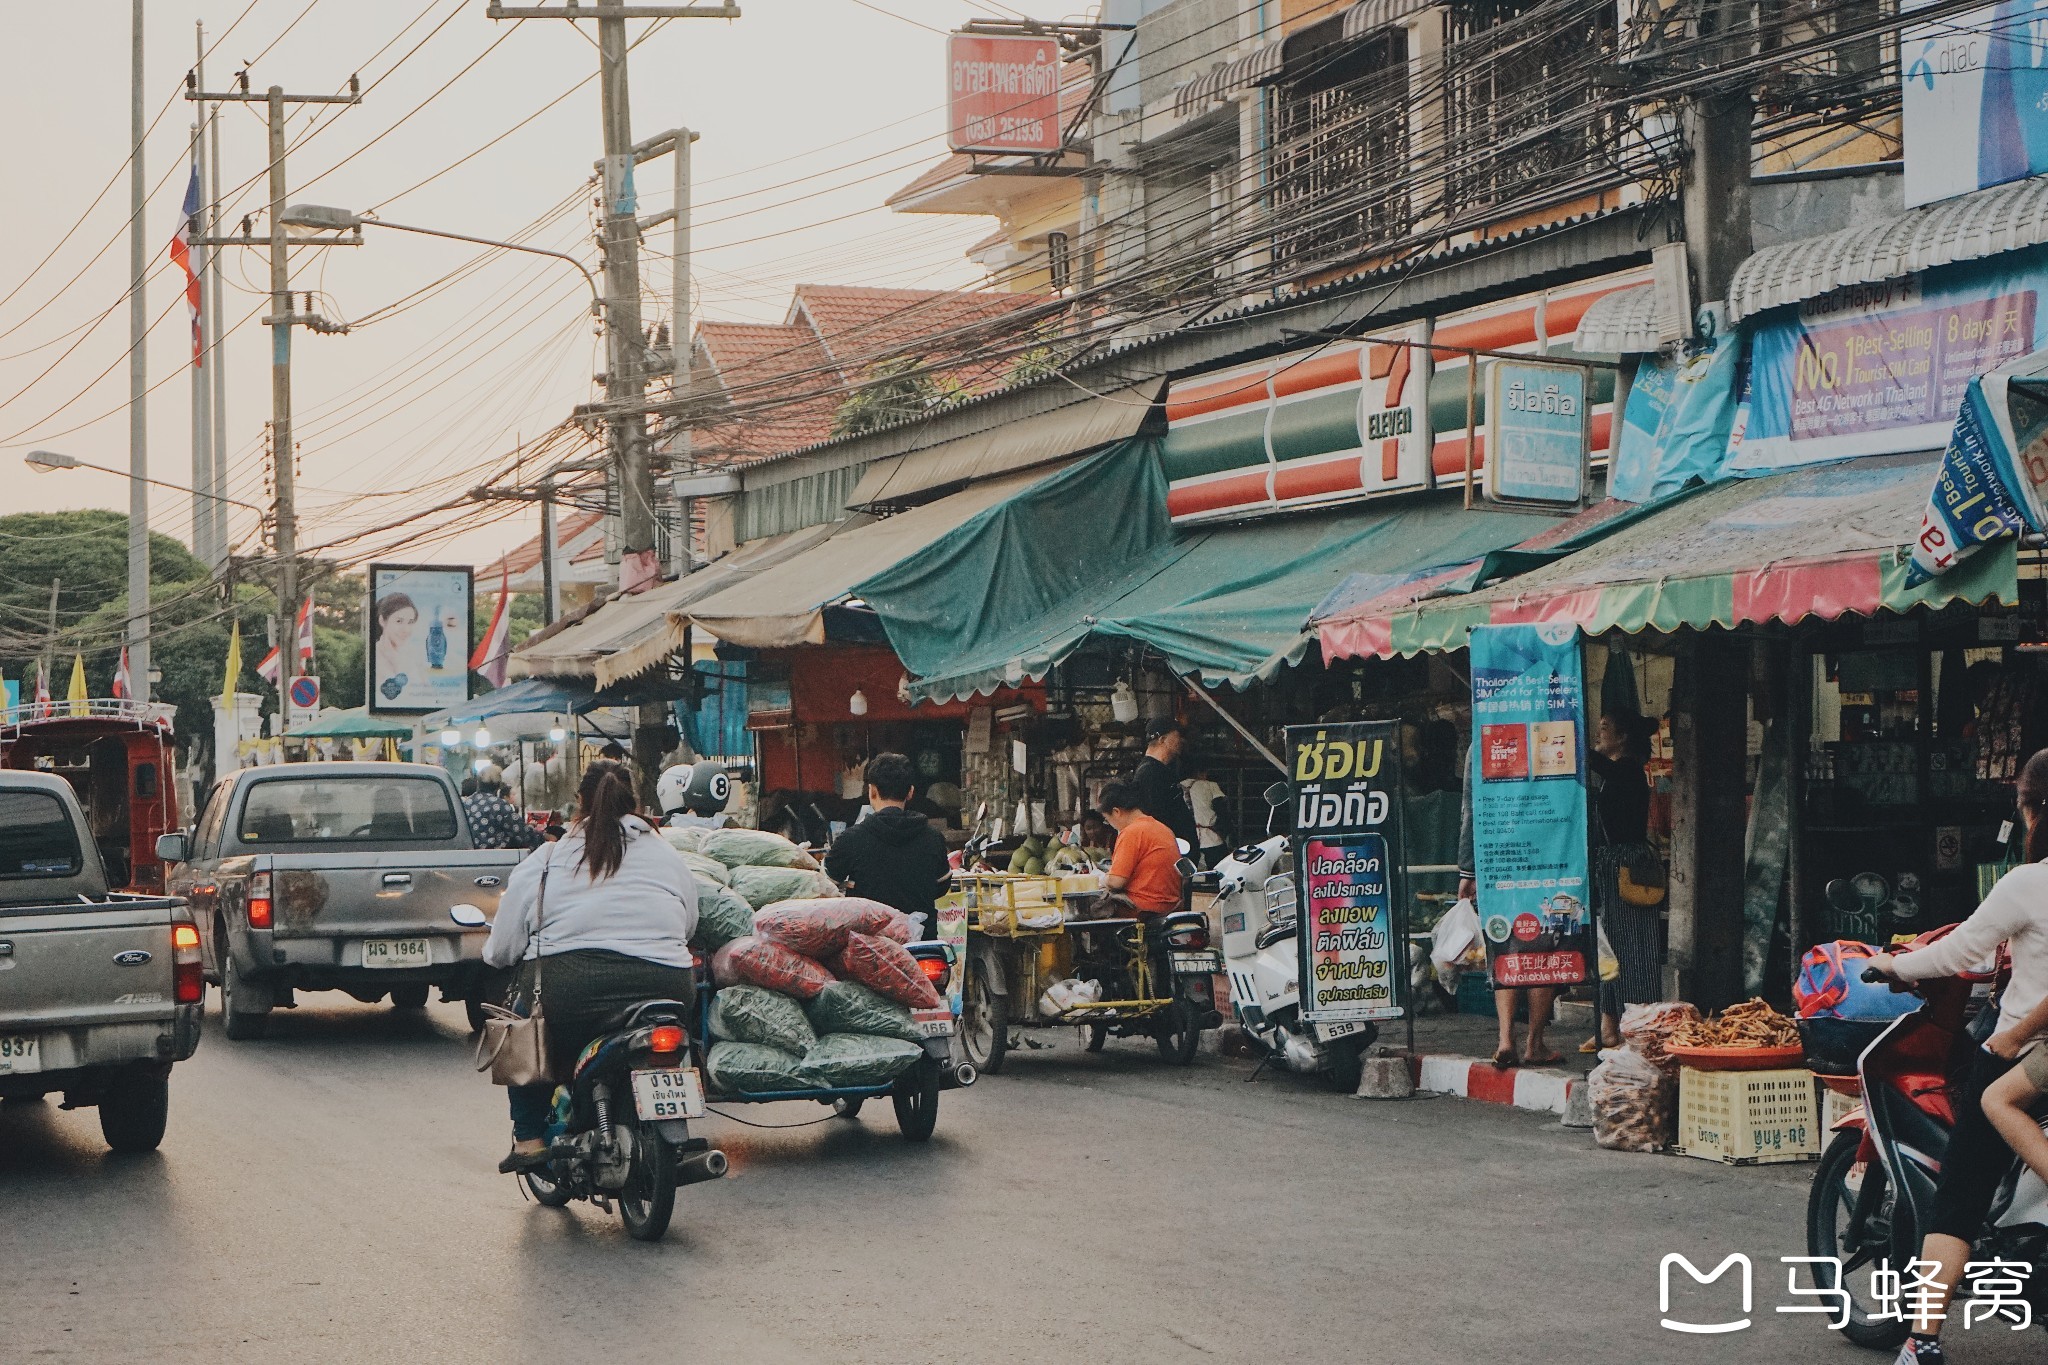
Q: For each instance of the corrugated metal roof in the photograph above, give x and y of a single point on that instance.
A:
(1967, 228)
(1621, 322)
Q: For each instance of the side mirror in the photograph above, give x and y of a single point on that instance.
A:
(1186, 867)
(467, 915)
(1277, 794)
(174, 848)
(981, 812)
(1182, 845)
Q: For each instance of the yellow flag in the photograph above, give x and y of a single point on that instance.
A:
(231, 682)
(77, 694)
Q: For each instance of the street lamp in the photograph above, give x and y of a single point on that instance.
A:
(324, 218)
(49, 461)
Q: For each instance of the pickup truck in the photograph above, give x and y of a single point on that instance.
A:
(356, 877)
(100, 991)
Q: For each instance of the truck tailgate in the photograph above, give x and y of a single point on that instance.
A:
(358, 895)
(99, 964)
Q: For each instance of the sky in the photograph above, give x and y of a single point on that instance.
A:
(810, 113)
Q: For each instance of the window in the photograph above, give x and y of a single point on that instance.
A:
(207, 840)
(1341, 150)
(37, 838)
(345, 809)
(1525, 125)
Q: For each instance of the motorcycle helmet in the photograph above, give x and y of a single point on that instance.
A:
(699, 788)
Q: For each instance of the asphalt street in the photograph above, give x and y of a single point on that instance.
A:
(328, 1194)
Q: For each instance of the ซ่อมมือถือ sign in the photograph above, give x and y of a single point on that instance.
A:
(1528, 794)
(1346, 782)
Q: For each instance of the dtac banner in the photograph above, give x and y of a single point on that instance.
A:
(1528, 794)
(1881, 369)
(1347, 868)
(1974, 97)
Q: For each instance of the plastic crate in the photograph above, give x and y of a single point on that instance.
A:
(1748, 1118)
(1834, 1107)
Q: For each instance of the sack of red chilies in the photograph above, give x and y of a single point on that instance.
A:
(818, 928)
(887, 968)
(754, 961)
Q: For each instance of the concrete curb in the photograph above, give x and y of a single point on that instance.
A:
(1547, 1092)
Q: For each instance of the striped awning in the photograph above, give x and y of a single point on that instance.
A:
(1370, 16)
(1966, 228)
(1256, 67)
(1622, 322)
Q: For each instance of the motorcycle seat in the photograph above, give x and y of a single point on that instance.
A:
(646, 1012)
(1276, 931)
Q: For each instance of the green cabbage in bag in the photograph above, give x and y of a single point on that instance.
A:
(849, 1007)
(752, 1069)
(751, 1014)
(706, 869)
(848, 1059)
(766, 885)
(722, 916)
(754, 848)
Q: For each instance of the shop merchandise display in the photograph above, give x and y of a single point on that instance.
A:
(1647, 1029)
(1635, 1102)
(1750, 1024)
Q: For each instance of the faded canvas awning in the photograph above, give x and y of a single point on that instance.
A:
(1090, 552)
(629, 635)
(1259, 65)
(1822, 542)
(785, 605)
(1076, 429)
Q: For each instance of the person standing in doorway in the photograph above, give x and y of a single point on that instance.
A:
(1205, 799)
(1157, 779)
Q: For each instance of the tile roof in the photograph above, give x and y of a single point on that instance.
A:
(858, 326)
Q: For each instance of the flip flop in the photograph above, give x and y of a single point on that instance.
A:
(1504, 1059)
(1589, 1047)
(1547, 1059)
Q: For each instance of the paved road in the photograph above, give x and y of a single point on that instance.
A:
(328, 1195)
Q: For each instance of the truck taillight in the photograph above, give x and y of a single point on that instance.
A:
(188, 985)
(259, 901)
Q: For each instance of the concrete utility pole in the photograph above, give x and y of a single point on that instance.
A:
(676, 142)
(281, 321)
(550, 588)
(1715, 195)
(138, 383)
(626, 366)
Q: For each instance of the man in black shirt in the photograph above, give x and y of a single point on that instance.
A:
(1158, 781)
(893, 856)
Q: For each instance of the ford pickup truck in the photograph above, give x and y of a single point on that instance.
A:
(100, 991)
(356, 877)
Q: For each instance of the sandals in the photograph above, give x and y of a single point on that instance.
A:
(1547, 1059)
(1505, 1059)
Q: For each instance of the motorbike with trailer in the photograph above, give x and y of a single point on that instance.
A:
(1873, 1193)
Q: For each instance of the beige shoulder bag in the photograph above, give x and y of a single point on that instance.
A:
(514, 1047)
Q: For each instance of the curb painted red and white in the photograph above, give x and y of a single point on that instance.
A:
(1548, 1092)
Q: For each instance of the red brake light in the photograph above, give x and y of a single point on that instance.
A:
(1190, 938)
(665, 1038)
(184, 936)
(935, 969)
(259, 901)
(188, 985)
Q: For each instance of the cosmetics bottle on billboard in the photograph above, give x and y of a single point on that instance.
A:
(437, 643)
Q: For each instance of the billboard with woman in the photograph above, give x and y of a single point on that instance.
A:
(418, 650)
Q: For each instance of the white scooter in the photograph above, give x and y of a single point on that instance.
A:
(1255, 903)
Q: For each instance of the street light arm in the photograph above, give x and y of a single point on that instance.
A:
(73, 462)
(596, 295)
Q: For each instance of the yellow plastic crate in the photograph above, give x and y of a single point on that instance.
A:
(1748, 1118)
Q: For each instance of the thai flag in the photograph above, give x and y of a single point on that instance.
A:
(494, 650)
(181, 253)
(267, 669)
(123, 688)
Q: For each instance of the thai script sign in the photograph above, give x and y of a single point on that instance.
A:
(1347, 867)
(1003, 93)
(1528, 794)
(1537, 427)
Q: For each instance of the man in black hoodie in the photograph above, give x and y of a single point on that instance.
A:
(894, 856)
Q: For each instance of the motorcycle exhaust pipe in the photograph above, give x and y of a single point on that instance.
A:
(965, 1074)
(700, 1166)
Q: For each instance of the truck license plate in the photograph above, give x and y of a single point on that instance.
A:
(936, 1023)
(397, 952)
(20, 1054)
(1185, 964)
(677, 1094)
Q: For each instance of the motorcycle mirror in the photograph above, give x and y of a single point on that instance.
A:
(1276, 795)
(1182, 845)
(981, 812)
(1186, 867)
(468, 916)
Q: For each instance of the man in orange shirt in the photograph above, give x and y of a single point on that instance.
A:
(1142, 872)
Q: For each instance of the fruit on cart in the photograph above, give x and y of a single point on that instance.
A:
(756, 848)
(752, 961)
(752, 1068)
(764, 886)
(846, 1059)
(850, 1007)
(722, 916)
(1029, 859)
(888, 968)
(818, 928)
(749, 1014)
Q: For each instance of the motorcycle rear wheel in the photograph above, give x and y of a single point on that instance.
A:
(1836, 1198)
(1346, 1057)
(547, 1192)
(649, 1199)
(916, 1100)
(1179, 1031)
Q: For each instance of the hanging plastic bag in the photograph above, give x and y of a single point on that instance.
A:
(1635, 1102)
(1610, 965)
(1457, 931)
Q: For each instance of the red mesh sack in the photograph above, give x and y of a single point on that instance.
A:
(753, 961)
(886, 967)
(818, 928)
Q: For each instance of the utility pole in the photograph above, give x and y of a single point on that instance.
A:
(212, 316)
(626, 362)
(50, 651)
(281, 321)
(204, 514)
(550, 589)
(138, 383)
(676, 142)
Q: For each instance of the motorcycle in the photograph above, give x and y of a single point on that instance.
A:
(1256, 905)
(620, 1133)
(1873, 1192)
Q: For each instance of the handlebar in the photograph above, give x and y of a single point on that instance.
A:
(1872, 976)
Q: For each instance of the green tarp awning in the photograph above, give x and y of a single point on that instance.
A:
(354, 723)
(1089, 552)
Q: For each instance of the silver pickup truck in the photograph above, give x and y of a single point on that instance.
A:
(357, 877)
(100, 991)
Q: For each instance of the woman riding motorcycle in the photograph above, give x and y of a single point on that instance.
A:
(2015, 914)
(598, 921)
